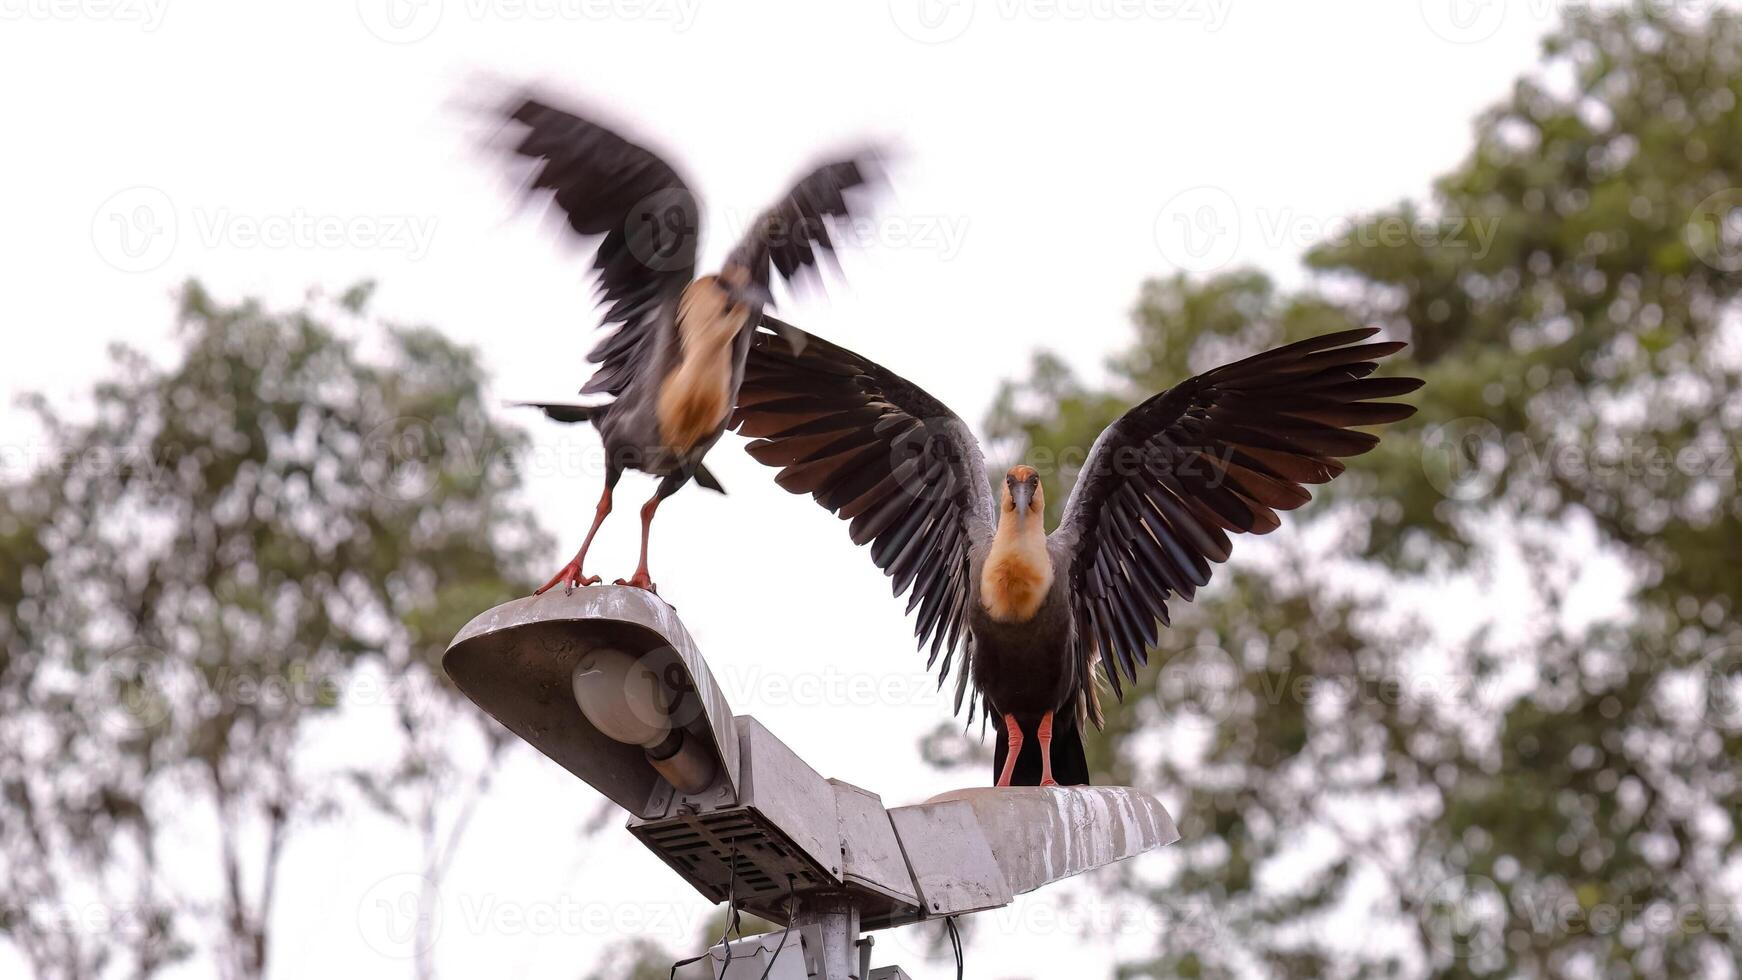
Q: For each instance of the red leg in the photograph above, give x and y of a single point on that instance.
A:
(1045, 735)
(571, 573)
(1014, 731)
(641, 580)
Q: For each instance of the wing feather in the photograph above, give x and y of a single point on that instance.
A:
(882, 454)
(1222, 452)
(643, 216)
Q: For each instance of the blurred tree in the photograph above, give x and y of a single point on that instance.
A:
(1398, 742)
(215, 560)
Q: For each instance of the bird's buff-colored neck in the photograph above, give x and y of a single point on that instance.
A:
(1018, 571)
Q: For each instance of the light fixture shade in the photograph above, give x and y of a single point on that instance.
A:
(517, 661)
(622, 697)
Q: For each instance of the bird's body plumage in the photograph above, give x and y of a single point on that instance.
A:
(673, 364)
(1032, 614)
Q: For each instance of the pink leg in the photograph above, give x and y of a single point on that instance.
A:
(1014, 731)
(1045, 735)
(571, 573)
(641, 580)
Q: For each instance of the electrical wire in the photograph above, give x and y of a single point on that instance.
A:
(956, 944)
(791, 907)
(734, 921)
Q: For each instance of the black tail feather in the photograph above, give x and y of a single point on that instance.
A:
(564, 413)
(708, 480)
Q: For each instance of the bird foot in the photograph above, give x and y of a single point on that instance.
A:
(640, 580)
(1049, 782)
(569, 577)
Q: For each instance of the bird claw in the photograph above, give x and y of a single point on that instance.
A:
(570, 576)
(640, 580)
(1049, 782)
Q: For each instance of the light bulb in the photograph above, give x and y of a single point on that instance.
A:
(622, 697)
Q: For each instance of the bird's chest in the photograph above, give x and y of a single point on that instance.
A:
(1015, 579)
(1024, 665)
(696, 394)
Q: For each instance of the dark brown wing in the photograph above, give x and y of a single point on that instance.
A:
(791, 234)
(644, 216)
(1224, 451)
(878, 451)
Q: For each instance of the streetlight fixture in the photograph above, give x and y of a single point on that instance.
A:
(608, 683)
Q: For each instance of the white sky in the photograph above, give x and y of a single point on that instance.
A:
(1050, 138)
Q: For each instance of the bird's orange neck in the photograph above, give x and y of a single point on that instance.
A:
(696, 395)
(1018, 572)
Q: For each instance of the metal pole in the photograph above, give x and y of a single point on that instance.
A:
(837, 920)
(821, 943)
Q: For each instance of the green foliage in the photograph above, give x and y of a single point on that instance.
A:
(215, 556)
(1348, 727)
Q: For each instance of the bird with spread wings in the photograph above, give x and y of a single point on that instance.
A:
(672, 366)
(1026, 615)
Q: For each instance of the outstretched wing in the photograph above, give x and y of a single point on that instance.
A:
(1224, 451)
(644, 216)
(878, 451)
(791, 234)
